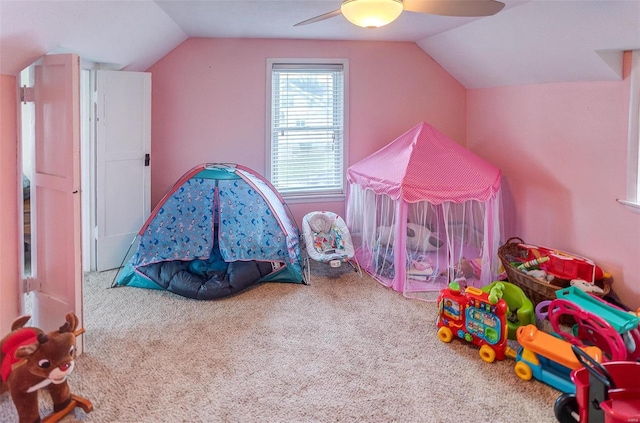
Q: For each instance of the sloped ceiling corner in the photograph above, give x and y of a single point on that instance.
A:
(539, 42)
(124, 34)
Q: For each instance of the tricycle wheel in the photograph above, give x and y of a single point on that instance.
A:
(566, 409)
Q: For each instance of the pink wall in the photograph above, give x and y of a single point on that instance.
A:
(9, 277)
(561, 147)
(209, 102)
(563, 152)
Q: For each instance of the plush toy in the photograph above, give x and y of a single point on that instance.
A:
(31, 360)
(586, 286)
(465, 267)
(419, 238)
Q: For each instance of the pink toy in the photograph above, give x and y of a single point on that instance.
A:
(398, 214)
(597, 323)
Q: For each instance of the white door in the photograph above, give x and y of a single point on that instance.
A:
(123, 172)
(55, 205)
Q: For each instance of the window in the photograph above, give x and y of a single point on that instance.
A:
(633, 165)
(307, 105)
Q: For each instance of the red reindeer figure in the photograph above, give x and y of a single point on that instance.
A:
(31, 360)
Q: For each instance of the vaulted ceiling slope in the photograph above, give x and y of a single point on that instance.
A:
(528, 42)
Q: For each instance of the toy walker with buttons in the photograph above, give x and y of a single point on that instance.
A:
(476, 317)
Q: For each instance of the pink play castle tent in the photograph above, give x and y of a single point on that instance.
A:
(423, 211)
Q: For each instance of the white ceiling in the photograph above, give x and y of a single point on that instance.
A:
(527, 42)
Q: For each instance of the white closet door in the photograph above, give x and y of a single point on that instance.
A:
(123, 171)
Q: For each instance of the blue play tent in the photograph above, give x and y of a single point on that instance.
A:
(219, 230)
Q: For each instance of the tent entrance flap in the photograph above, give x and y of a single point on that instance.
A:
(214, 234)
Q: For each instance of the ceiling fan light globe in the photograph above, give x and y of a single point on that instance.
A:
(371, 13)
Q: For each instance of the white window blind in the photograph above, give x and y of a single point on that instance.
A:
(307, 129)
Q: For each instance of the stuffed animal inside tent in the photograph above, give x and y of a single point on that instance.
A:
(419, 238)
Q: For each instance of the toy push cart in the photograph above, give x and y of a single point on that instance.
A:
(605, 392)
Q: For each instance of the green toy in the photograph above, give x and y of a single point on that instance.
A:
(520, 309)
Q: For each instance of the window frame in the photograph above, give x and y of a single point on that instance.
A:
(633, 149)
(306, 197)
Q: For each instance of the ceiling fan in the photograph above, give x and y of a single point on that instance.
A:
(376, 13)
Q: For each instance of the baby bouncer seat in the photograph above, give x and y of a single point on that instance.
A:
(328, 240)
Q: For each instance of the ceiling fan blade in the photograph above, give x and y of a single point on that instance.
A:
(320, 18)
(454, 7)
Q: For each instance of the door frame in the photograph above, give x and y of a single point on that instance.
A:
(87, 168)
(88, 159)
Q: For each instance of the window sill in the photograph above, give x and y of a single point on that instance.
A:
(314, 198)
(630, 204)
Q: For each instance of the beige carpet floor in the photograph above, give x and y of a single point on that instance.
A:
(341, 349)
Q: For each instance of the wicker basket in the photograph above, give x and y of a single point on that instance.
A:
(536, 290)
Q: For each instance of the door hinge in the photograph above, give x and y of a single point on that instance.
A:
(147, 159)
(27, 94)
(28, 285)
